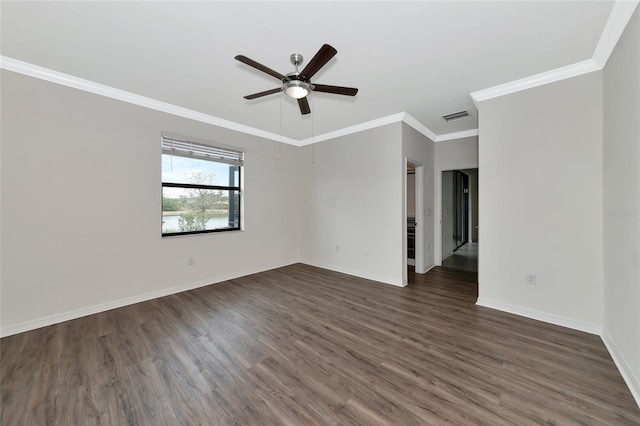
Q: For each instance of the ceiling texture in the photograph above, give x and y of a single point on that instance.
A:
(422, 58)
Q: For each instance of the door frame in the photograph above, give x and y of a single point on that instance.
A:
(421, 224)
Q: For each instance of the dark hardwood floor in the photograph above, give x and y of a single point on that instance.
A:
(463, 259)
(301, 346)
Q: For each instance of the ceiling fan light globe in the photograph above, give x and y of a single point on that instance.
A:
(296, 92)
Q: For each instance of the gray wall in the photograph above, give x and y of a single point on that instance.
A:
(420, 149)
(540, 176)
(456, 154)
(81, 223)
(80, 212)
(450, 155)
(352, 211)
(622, 203)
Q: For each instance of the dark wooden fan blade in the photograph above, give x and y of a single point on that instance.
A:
(304, 105)
(325, 53)
(338, 90)
(265, 93)
(259, 66)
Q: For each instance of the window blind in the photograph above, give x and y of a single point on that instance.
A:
(182, 148)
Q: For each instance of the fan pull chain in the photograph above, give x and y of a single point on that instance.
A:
(314, 108)
(280, 145)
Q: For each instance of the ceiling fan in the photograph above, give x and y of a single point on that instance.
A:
(298, 84)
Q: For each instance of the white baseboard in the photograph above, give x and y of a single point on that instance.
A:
(355, 272)
(623, 366)
(542, 316)
(625, 370)
(101, 307)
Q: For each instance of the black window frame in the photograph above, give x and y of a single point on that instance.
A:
(185, 147)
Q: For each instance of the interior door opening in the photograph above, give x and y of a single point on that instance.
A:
(460, 209)
(459, 219)
(414, 211)
(411, 214)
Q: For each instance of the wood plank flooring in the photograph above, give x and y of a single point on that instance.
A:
(463, 259)
(303, 346)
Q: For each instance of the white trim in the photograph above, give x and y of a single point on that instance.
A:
(101, 307)
(457, 135)
(46, 74)
(541, 316)
(418, 261)
(541, 79)
(424, 130)
(419, 191)
(52, 76)
(421, 128)
(623, 366)
(613, 29)
(394, 118)
(407, 118)
(616, 23)
(354, 272)
(378, 122)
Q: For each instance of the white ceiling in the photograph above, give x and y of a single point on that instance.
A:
(420, 57)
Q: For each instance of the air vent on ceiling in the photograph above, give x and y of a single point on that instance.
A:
(456, 115)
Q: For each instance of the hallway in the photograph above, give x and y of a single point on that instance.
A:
(463, 259)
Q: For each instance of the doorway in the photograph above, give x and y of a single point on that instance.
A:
(414, 211)
(411, 214)
(459, 219)
(460, 209)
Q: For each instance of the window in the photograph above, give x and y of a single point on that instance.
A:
(200, 188)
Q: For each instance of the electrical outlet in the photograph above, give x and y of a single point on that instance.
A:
(365, 253)
(191, 261)
(530, 278)
(337, 248)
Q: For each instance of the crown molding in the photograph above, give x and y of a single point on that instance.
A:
(404, 117)
(616, 23)
(457, 135)
(47, 74)
(418, 126)
(618, 19)
(536, 80)
(411, 121)
(378, 122)
(613, 29)
(35, 71)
